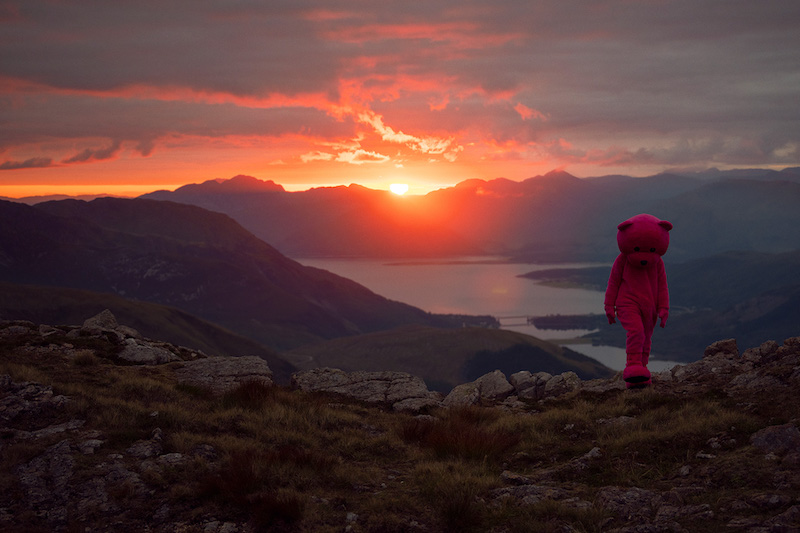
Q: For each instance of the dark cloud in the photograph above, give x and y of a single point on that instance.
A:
(611, 82)
(237, 48)
(34, 162)
(96, 154)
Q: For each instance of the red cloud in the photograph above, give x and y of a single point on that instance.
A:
(99, 154)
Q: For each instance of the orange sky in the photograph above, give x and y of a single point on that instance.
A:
(138, 96)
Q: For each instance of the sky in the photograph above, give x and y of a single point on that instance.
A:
(130, 96)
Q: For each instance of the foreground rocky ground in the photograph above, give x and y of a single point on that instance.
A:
(102, 429)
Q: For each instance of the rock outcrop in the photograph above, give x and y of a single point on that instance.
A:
(222, 374)
(403, 392)
(51, 440)
(493, 388)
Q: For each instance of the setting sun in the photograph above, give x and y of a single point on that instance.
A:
(399, 188)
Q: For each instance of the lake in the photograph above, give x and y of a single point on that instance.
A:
(484, 286)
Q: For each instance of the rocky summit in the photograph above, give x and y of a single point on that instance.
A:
(104, 429)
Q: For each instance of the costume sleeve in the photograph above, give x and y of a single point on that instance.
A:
(663, 290)
(614, 281)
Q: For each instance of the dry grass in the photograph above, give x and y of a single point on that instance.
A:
(467, 433)
(287, 460)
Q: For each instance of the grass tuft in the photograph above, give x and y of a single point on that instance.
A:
(463, 433)
(250, 395)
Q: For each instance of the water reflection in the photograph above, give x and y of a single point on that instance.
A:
(483, 286)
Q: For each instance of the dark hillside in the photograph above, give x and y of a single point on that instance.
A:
(196, 260)
(445, 358)
(52, 305)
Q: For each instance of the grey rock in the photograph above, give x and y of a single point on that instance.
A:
(787, 520)
(727, 347)
(89, 446)
(222, 374)
(530, 386)
(102, 321)
(415, 405)
(494, 386)
(172, 459)
(144, 449)
(402, 391)
(777, 439)
(763, 353)
(24, 398)
(562, 384)
(682, 512)
(46, 331)
(16, 330)
(617, 421)
(129, 332)
(529, 494)
(629, 503)
(463, 395)
(205, 451)
(512, 478)
(520, 380)
(145, 353)
(56, 429)
(754, 381)
(45, 480)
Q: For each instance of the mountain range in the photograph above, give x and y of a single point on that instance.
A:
(201, 262)
(555, 217)
(202, 250)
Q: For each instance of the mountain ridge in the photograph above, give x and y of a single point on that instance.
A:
(555, 217)
(187, 257)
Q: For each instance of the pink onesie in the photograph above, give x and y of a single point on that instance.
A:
(637, 290)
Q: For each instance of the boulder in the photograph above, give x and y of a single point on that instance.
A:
(222, 374)
(145, 353)
(102, 321)
(530, 386)
(463, 395)
(106, 322)
(492, 387)
(727, 346)
(763, 353)
(562, 384)
(777, 439)
(404, 392)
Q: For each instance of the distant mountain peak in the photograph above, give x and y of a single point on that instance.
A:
(559, 174)
(242, 182)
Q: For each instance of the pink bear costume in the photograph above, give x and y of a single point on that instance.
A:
(637, 290)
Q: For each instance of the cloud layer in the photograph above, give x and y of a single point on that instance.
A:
(315, 91)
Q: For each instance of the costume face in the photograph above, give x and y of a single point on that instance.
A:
(642, 239)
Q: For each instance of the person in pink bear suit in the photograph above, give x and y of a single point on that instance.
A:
(637, 290)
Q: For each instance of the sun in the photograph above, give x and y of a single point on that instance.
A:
(399, 188)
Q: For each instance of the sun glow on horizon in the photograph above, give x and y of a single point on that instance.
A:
(399, 188)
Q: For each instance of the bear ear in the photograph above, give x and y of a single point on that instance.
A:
(624, 225)
(666, 225)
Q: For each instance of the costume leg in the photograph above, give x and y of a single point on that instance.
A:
(633, 321)
(649, 324)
